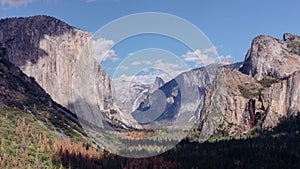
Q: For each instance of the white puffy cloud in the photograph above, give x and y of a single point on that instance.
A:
(224, 58)
(160, 64)
(171, 68)
(103, 51)
(198, 57)
(15, 3)
(212, 50)
(204, 57)
(146, 62)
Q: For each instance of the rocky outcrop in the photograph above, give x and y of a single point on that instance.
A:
(237, 103)
(234, 104)
(265, 90)
(272, 57)
(60, 58)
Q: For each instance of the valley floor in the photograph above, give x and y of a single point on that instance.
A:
(26, 144)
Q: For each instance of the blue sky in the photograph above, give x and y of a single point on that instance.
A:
(230, 25)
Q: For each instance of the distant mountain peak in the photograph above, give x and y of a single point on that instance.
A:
(157, 84)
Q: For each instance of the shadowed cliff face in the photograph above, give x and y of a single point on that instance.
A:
(60, 58)
(178, 101)
(19, 91)
(22, 37)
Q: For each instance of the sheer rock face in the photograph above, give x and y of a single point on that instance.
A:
(225, 107)
(228, 107)
(284, 99)
(60, 58)
(266, 89)
(272, 57)
(19, 91)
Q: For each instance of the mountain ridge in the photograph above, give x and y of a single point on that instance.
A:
(239, 97)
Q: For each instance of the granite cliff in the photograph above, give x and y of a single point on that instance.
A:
(262, 92)
(20, 92)
(60, 58)
(272, 57)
